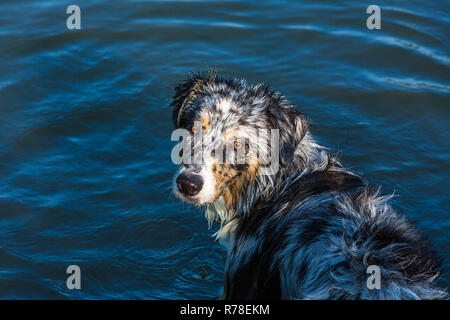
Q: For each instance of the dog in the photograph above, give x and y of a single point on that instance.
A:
(310, 230)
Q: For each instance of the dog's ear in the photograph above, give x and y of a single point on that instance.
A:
(292, 127)
(184, 93)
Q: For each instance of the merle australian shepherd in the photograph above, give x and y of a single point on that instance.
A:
(311, 229)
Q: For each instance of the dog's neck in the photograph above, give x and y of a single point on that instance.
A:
(308, 157)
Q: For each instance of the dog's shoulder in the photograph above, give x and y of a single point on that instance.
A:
(317, 236)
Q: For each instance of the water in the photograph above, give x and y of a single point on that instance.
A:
(85, 128)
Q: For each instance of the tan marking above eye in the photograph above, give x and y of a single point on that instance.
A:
(193, 129)
(237, 145)
(206, 122)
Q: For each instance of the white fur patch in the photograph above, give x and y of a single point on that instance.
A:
(225, 105)
(218, 210)
(209, 187)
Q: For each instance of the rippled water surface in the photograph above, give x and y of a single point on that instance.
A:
(85, 165)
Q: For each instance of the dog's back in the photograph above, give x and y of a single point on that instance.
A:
(316, 238)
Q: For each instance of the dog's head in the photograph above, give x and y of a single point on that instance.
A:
(229, 138)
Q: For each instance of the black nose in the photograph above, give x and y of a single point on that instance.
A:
(189, 185)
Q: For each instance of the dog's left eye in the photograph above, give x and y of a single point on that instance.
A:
(237, 145)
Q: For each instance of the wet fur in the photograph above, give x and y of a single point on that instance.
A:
(311, 230)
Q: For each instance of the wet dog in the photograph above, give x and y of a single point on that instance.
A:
(309, 229)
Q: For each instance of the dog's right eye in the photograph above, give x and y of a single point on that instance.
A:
(193, 129)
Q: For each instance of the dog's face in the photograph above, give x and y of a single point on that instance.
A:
(228, 131)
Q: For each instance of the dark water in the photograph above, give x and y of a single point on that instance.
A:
(85, 129)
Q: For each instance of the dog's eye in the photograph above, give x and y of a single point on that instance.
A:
(193, 129)
(237, 145)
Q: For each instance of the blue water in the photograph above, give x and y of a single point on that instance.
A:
(85, 169)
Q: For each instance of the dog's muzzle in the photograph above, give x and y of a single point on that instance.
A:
(189, 183)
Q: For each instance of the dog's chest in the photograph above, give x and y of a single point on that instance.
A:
(218, 211)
